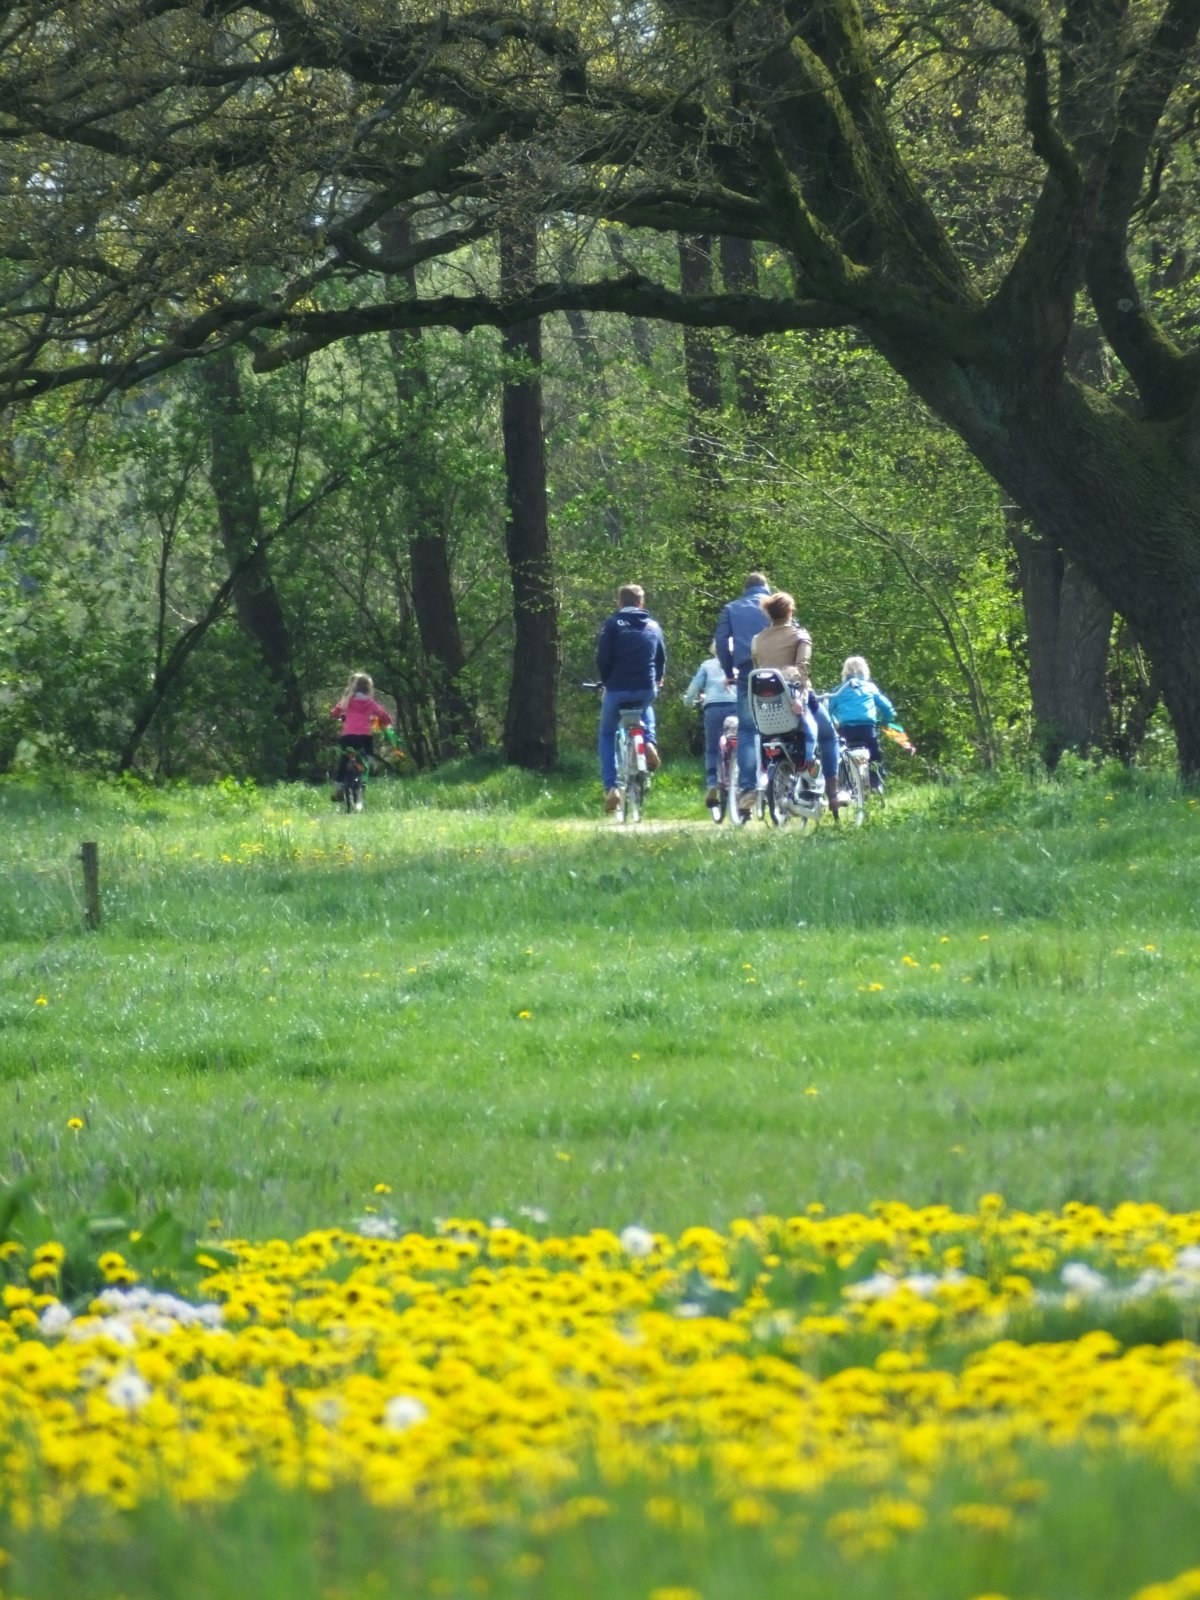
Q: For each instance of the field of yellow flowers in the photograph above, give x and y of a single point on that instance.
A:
(816, 1377)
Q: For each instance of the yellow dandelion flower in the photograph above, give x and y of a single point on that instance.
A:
(74, 1123)
(524, 1016)
(41, 1001)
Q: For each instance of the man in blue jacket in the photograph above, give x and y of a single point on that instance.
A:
(740, 621)
(632, 659)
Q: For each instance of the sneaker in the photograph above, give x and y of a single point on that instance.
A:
(358, 805)
(653, 759)
(612, 799)
(338, 795)
(713, 797)
(746, 801)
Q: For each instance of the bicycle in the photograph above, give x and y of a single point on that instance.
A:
(354, 779)
(854, 770)
(860, 774)
(853, 779)
(795, 792)
(726, 804)
(633, 774)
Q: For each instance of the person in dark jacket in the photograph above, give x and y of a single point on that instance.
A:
(740, 621)
(631, 657)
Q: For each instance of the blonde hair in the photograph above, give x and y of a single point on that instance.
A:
(778, 606)
(631, 594)
(360, 683)
(855, 667)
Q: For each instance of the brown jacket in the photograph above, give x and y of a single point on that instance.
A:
(784, 645)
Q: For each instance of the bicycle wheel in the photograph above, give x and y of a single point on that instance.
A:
(850, 784)
(730, 796)
(781, 779)
(620, 751)
(635, 796)
(760, 788)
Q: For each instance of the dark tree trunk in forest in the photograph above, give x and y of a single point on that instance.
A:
(255, 599)
(750, 364)
(434, 604)
(1069, 626)
(702, 377)
(530, 730)
(593, 363)
(1120, 497)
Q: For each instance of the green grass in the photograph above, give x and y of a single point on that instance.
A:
(1101, 1531)
(994, 987)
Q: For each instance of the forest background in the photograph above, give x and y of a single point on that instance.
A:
(202, 533)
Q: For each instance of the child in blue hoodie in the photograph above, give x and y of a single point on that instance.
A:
(859, 706)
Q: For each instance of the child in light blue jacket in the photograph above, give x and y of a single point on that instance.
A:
(710, 687)
(859, 706)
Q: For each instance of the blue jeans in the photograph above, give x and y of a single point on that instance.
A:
(747, 750)
(610, 709)
(827, 739)
(714, 721)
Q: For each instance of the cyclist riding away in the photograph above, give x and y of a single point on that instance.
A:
(631, 657)
(859, 706)
(788, 647)
(358, 712)
(719, 698)
(739, 622)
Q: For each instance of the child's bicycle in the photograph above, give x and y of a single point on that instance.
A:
(633, 775)
(860, 778)
(726, 803)
(351, 791)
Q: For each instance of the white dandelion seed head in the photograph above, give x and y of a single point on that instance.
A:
(637, 1241)
(404, 1411)
(128, 1391)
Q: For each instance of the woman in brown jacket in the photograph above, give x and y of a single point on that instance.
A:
(783, 643)
(788, 647)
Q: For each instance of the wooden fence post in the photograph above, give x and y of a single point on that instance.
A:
(89, 854)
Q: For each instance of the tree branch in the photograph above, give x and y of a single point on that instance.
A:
(1166, 378)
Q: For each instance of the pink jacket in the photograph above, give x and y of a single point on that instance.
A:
(357, 712)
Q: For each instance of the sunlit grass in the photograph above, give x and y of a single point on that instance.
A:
(490, 1006)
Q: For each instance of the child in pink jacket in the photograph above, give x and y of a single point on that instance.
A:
(359, 713)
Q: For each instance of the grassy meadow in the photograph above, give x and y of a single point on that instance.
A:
(482, 1000)
(487, 997)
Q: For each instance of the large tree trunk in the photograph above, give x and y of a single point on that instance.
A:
(255, 599)
(434, 605)
(1120, 497)
(1069, 626)
(530, 731)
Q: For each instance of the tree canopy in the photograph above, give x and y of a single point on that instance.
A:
(967, 184)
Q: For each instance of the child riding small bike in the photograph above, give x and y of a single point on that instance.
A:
(360, 714)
